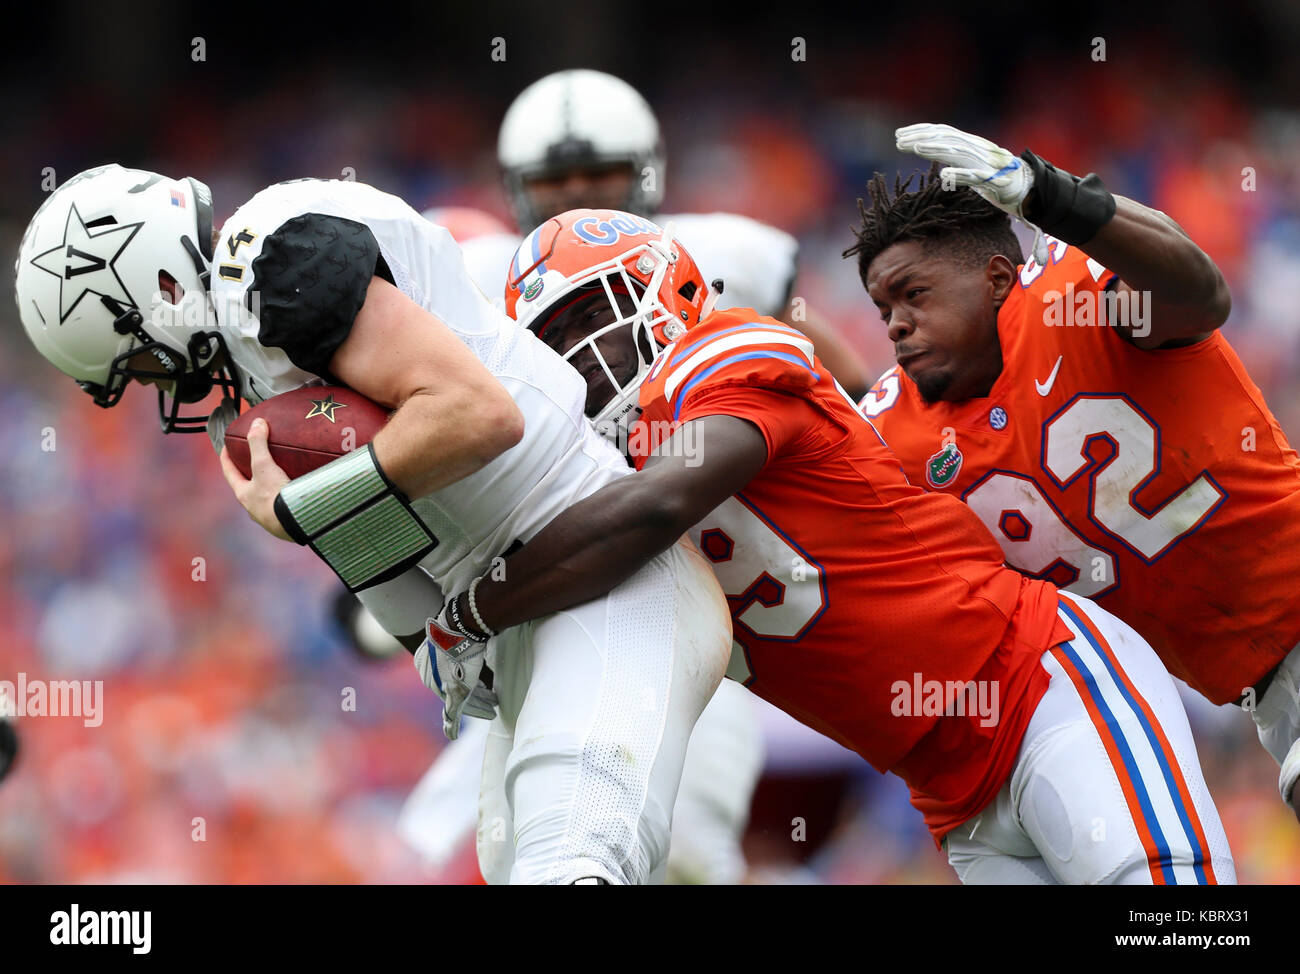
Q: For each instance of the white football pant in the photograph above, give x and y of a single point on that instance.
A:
(1107, 787)
(723, 763)
(724, 760)
(1277, 713)
(583, 761)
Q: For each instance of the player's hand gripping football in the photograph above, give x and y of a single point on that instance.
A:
(451, 664)
(995, 173)
(258, 495)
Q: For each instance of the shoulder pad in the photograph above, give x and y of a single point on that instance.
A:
(730, 348)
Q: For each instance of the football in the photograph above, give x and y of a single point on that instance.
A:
(309, 427)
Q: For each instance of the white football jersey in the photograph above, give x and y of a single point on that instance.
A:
(561, 458)
(756, 262)
(486, 260)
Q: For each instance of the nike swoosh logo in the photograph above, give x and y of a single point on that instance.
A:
(1045, 387)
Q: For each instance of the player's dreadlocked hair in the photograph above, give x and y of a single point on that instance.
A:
(958, 223)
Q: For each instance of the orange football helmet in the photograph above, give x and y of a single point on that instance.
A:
(621, 253)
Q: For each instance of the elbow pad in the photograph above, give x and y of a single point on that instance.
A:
(352, 516)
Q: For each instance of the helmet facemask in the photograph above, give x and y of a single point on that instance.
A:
(181, 379)
(530, 203)
(646, 314)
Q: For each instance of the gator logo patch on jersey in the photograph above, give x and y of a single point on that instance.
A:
(942, 468)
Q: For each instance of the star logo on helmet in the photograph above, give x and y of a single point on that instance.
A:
(325, 407)
(84, 261)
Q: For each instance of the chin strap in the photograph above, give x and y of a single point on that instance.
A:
(193, 374)
(126, 321)
(219, 421)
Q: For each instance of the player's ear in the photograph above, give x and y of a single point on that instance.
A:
(1001, 275)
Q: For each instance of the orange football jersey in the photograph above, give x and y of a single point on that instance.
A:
(854, 594)
(1156, 482)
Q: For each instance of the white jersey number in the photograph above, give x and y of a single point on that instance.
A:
(774, 589)
(1032, 532)
(882, 395)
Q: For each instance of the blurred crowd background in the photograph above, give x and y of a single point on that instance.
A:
(224, 678)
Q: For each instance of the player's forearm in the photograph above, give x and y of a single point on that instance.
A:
(582, 554)
(436, 439)
(1153, 254)
(601, 541)
(453, 416)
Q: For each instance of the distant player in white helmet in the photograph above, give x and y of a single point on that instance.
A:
(583, 138)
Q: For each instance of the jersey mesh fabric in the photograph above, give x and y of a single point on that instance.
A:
(620, 736)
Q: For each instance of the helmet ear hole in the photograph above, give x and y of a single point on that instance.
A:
(169, 287)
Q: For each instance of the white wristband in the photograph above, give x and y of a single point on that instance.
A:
(473, 610)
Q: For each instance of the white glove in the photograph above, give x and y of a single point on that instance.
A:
(219, 421)
(1286, 781)
(450, 665)
(995, 173)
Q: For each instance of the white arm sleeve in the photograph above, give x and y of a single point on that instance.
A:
(404, 604)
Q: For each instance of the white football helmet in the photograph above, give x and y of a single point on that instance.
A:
(115, 263)
(574, 119)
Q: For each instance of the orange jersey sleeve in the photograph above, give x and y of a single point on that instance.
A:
(789, 424)
(1156, 482)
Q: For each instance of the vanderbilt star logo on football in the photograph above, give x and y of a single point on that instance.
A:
(84, 261)
(325, 407)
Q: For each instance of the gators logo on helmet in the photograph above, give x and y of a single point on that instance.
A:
(651, 282)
